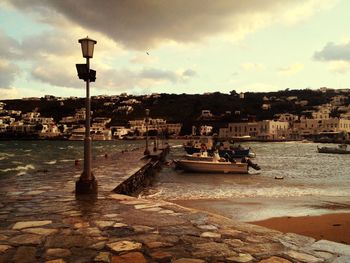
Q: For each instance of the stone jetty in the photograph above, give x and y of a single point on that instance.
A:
(41, 220)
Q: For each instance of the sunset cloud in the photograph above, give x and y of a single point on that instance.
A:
(142, 24)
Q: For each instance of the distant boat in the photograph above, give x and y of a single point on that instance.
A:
(340, 149)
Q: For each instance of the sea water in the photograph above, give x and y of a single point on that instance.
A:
(312, 182)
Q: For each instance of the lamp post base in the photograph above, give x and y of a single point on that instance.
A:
(83, 187)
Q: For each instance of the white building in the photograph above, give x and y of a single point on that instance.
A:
(206, 130)
(262, 130)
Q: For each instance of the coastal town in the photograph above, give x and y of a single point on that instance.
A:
(326, 122)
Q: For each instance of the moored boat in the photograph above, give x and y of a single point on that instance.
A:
(226, 149)
(341, 149)
(212, 167)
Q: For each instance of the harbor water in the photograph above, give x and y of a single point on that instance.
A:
(312, 183)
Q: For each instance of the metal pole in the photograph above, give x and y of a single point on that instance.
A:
(146, 150)
(87, 140)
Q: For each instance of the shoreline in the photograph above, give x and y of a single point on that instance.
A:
(320, 219)
(334, 227)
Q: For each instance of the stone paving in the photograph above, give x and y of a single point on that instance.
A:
(42, 221)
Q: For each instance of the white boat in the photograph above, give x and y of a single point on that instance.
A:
(341, 149)
(211, 166)
(202, 156)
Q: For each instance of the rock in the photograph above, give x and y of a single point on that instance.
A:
(324, 255)
(103, 257)
(27, 224)
(161, 256)
(3, 248)
(157, 244)
(212, 249)
(234, 242)
(67, 241)
(25, 255)
(153, 209)
(332, 247)
(120, 246)
(40, 231)
(103, 224)
(138, 228)
(26, 239)
(3, 237)
(145, 206)
(81, 225)
(57, 252)
(275, 260)
(207, 227)
(111, 215)
(132, 257)
(188, 260)
(98, 246)
(60, 260)
(34, 192)
(167, 211)
(119, 225)
(211, 235)
(241, 257)
(302, 257)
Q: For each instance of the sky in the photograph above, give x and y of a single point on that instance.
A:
(178, 46)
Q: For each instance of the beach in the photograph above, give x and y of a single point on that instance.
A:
(333, 227)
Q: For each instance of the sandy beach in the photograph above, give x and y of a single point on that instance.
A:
(334, 227)
(315, 218)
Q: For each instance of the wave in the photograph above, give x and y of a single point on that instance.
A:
(7, 154)
(177, 146)
(51, 162)
(19, 168)
(269, 192)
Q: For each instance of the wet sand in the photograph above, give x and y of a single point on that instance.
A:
(320, 219)
(334, 227)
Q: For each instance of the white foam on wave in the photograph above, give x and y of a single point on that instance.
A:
(19, 168)
(251, 192)
(177, 146)
(51, 162)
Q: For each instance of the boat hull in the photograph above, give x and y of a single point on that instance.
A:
(212, 167)
(332, 150)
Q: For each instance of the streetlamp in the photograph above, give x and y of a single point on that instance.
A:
(147, 120)
(87, 183)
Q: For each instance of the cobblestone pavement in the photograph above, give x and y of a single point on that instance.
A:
(42, 221)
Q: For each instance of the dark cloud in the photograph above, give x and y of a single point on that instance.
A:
(8, 74)
(141, 24)
(9, 47)
(113, 79)
(334, 52)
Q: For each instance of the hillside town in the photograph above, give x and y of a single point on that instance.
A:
(317, 122)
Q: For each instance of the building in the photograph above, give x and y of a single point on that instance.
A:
(206, 130)
(267, 130)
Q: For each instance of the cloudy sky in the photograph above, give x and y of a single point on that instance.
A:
(177, 46)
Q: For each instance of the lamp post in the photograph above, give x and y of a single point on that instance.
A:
(87, 183)
(147, 120)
